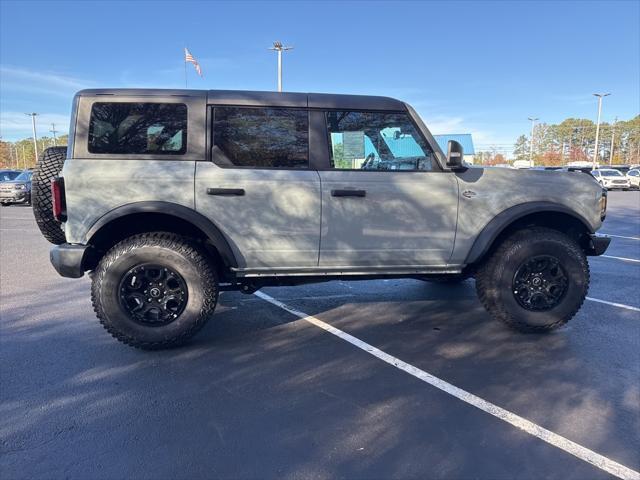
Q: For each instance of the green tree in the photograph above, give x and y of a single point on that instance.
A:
(521, 148)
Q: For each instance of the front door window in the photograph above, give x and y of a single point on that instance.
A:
(376, 141)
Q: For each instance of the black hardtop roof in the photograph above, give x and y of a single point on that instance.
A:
(263, 99)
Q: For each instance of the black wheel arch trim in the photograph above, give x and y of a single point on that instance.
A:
(182, 212)
(504, 219)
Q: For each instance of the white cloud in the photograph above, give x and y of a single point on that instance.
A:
(16, 79)
(17, 125)
(439, 125)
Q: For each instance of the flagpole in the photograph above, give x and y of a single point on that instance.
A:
(185, 67)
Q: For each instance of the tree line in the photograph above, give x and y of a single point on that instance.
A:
(20, 154)
(574, 140)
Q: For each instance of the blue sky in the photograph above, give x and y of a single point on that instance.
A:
(479, 67)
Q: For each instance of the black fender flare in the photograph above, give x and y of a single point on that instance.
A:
(507, 217)
(198, 220)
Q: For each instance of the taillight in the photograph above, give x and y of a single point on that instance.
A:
(603, 204)
(58, 203)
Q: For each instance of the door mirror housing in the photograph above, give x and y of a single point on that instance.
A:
(455, 155)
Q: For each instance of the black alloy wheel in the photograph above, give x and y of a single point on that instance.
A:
(153, 295)
(540, 283)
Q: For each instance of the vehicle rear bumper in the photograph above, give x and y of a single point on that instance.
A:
(69, 259)
(597, 245)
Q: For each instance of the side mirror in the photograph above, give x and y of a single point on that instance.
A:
(455, 154)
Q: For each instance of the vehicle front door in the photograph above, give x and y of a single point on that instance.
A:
(385, 200)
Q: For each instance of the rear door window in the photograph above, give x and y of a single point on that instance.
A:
(138, 128)
(261, 137)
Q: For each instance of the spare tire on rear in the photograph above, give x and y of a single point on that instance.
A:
(48, 168)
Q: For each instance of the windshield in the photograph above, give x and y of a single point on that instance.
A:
(24, 176)
(610, 173)
(8, 175)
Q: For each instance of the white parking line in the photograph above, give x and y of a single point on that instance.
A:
(548, 436)
(621, 258)
(620, 236)
(613, 304)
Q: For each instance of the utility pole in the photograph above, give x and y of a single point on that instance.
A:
(533, 125)
(613, 137)
(595, 152)
(11, 154)
(54, 131)
(35, 137)
(277, 46)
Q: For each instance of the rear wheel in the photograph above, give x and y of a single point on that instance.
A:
(154, 290)
(47, 169)
(535, 281)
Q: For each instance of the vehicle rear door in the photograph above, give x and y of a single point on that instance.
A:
(259, 190)
(385, 200)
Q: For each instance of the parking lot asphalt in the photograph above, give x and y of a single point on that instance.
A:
(263, 393)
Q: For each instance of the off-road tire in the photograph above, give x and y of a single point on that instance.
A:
(172, 251)
(494, 279)
(47, 169)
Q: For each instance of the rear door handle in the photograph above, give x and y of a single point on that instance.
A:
(348, 193)
(225, 191)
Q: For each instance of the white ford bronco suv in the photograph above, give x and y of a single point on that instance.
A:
(169, 196)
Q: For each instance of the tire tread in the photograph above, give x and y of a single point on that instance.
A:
(485, 278)
(163, 240)
(48, 168)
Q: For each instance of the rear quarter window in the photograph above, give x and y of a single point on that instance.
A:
(138, 128)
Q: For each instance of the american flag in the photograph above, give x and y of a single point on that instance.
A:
(189, 58)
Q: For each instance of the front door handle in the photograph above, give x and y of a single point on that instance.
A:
(348, 193)
(225, 191)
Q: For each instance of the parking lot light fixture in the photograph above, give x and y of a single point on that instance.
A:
(595, 151)
(533, 125)
(278, 47)
(35, 137)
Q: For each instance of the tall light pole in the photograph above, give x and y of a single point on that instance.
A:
(533, 125)
(277, 46)
(595, 152)
(54, 131)
(35, 137)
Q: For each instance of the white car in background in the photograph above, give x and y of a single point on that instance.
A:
(611, 179)
(633, 176)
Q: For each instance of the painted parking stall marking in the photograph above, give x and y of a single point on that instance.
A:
(583, 453)
(624, 259)
(614, 304)
(621, 236)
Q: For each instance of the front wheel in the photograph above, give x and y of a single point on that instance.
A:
(535, 281)
(154, 290)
